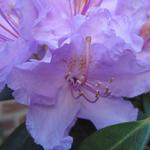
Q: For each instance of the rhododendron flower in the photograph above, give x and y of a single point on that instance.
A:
(14, 47)
(73, 13)
(66, 89)
(70, 13)
(134, 9)
(98, 60)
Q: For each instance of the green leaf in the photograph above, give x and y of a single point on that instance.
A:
(126, 136)
(20, 140)
(141, 115)
(146, 104)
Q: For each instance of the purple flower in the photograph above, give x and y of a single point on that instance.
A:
(98, 61)
(136, 10)
(72, 13)
(15, 47)
(69, 88)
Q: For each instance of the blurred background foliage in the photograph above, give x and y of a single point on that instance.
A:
(6, 94)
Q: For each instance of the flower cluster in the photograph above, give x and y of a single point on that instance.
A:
(69, 59)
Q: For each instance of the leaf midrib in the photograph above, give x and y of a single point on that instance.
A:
(123, 139)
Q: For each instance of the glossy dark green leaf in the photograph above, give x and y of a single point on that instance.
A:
(146, 104)
(127, 136)
(20, 140)
(142, 115)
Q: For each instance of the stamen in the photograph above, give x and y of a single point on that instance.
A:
(75, 7)
(4, 38)
(10, 24)
(75, 95)
(87, 57)
(89, 87)
(86, 7)
(105, 91)
(92, 101)
(13, 21)
(8, 31)
(80, 6)
(81, 88)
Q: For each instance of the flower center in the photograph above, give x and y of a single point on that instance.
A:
(79, 84)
